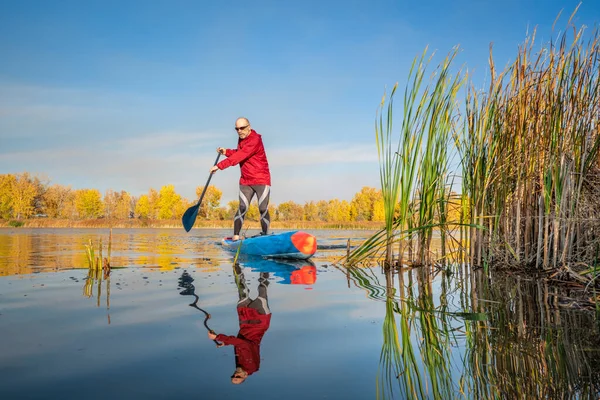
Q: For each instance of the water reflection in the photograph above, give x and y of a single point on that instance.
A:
(464, 334)
(254, 317)
(25, 251)
(295, 272)
(254, 314)
(185, 283)
(95, 277)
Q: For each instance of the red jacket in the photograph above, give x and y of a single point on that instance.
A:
(247, 343)
(251, 156)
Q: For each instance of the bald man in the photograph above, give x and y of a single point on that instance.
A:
(255, 175)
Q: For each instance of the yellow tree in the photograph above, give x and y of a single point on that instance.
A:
(311, 211)
(6, 184)
(142, 207)
(323, 210)
(232, 208)
(56, 199)
(273, 212)
(379, 210)
(123, 205)
(364, 202)
(253, 214)
(181, 207)
(69, 207)
(290, 211)
(210, 202)
(338, 211)
(168, 202)
(23, 193)
(110, 202)
(88, 203)
(153, 203)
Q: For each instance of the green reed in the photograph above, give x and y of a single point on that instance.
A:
(413, 167)
(99, 269)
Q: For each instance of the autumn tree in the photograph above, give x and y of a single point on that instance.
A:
(110, 201)
(153, 203)
(23, 194)
(56, 199)
(123, 207)
(181, 207)
(210, 202)
(379, 210)
(232, 207)
(88, 203)
(290, 211)
(117, 204)
(142, 207)
(339, 211)
(311, 211)
(147, 206)
(323, 210)
(168, 203)
(6, 185)
(273, 212)
(364, 202)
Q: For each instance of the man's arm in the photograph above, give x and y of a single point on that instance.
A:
(240, 155)
(226, 340)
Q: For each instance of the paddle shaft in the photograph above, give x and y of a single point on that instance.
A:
(208, 181)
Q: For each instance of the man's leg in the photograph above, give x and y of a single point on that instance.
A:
(246, 194)
(261, 303)
(243, 292)
(263, 192)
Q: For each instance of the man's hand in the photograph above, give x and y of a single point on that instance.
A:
(221, 150)
(214, 169)
(212, 336)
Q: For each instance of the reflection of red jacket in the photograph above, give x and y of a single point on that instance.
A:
(247, 343)
(251, 156)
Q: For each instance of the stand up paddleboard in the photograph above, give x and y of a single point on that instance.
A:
(296, 245)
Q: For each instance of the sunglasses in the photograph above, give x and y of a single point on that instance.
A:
(241, 128)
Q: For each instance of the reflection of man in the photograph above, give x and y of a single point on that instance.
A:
(254, 318)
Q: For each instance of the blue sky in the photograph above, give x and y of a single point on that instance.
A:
(130, 95)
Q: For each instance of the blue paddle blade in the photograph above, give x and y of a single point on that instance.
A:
(189, 217)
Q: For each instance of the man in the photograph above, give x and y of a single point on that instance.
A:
(254, 319)
(255, 175)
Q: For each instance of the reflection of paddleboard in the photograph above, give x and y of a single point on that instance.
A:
(295, 272)
(296, 244)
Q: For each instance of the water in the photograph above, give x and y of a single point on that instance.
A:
(333, 334)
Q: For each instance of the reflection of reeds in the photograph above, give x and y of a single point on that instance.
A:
(98, 270)
(529, 347)
(434, 343)
(398, 363)
(516, 338)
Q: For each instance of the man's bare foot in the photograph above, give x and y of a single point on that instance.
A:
(235, 237)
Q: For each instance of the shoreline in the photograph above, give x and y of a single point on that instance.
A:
(176, 224)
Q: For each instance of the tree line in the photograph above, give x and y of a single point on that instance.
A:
(24, 196)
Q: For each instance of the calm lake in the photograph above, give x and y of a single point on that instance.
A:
(329, 333)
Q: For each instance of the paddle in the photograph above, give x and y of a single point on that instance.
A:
(189, 216)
